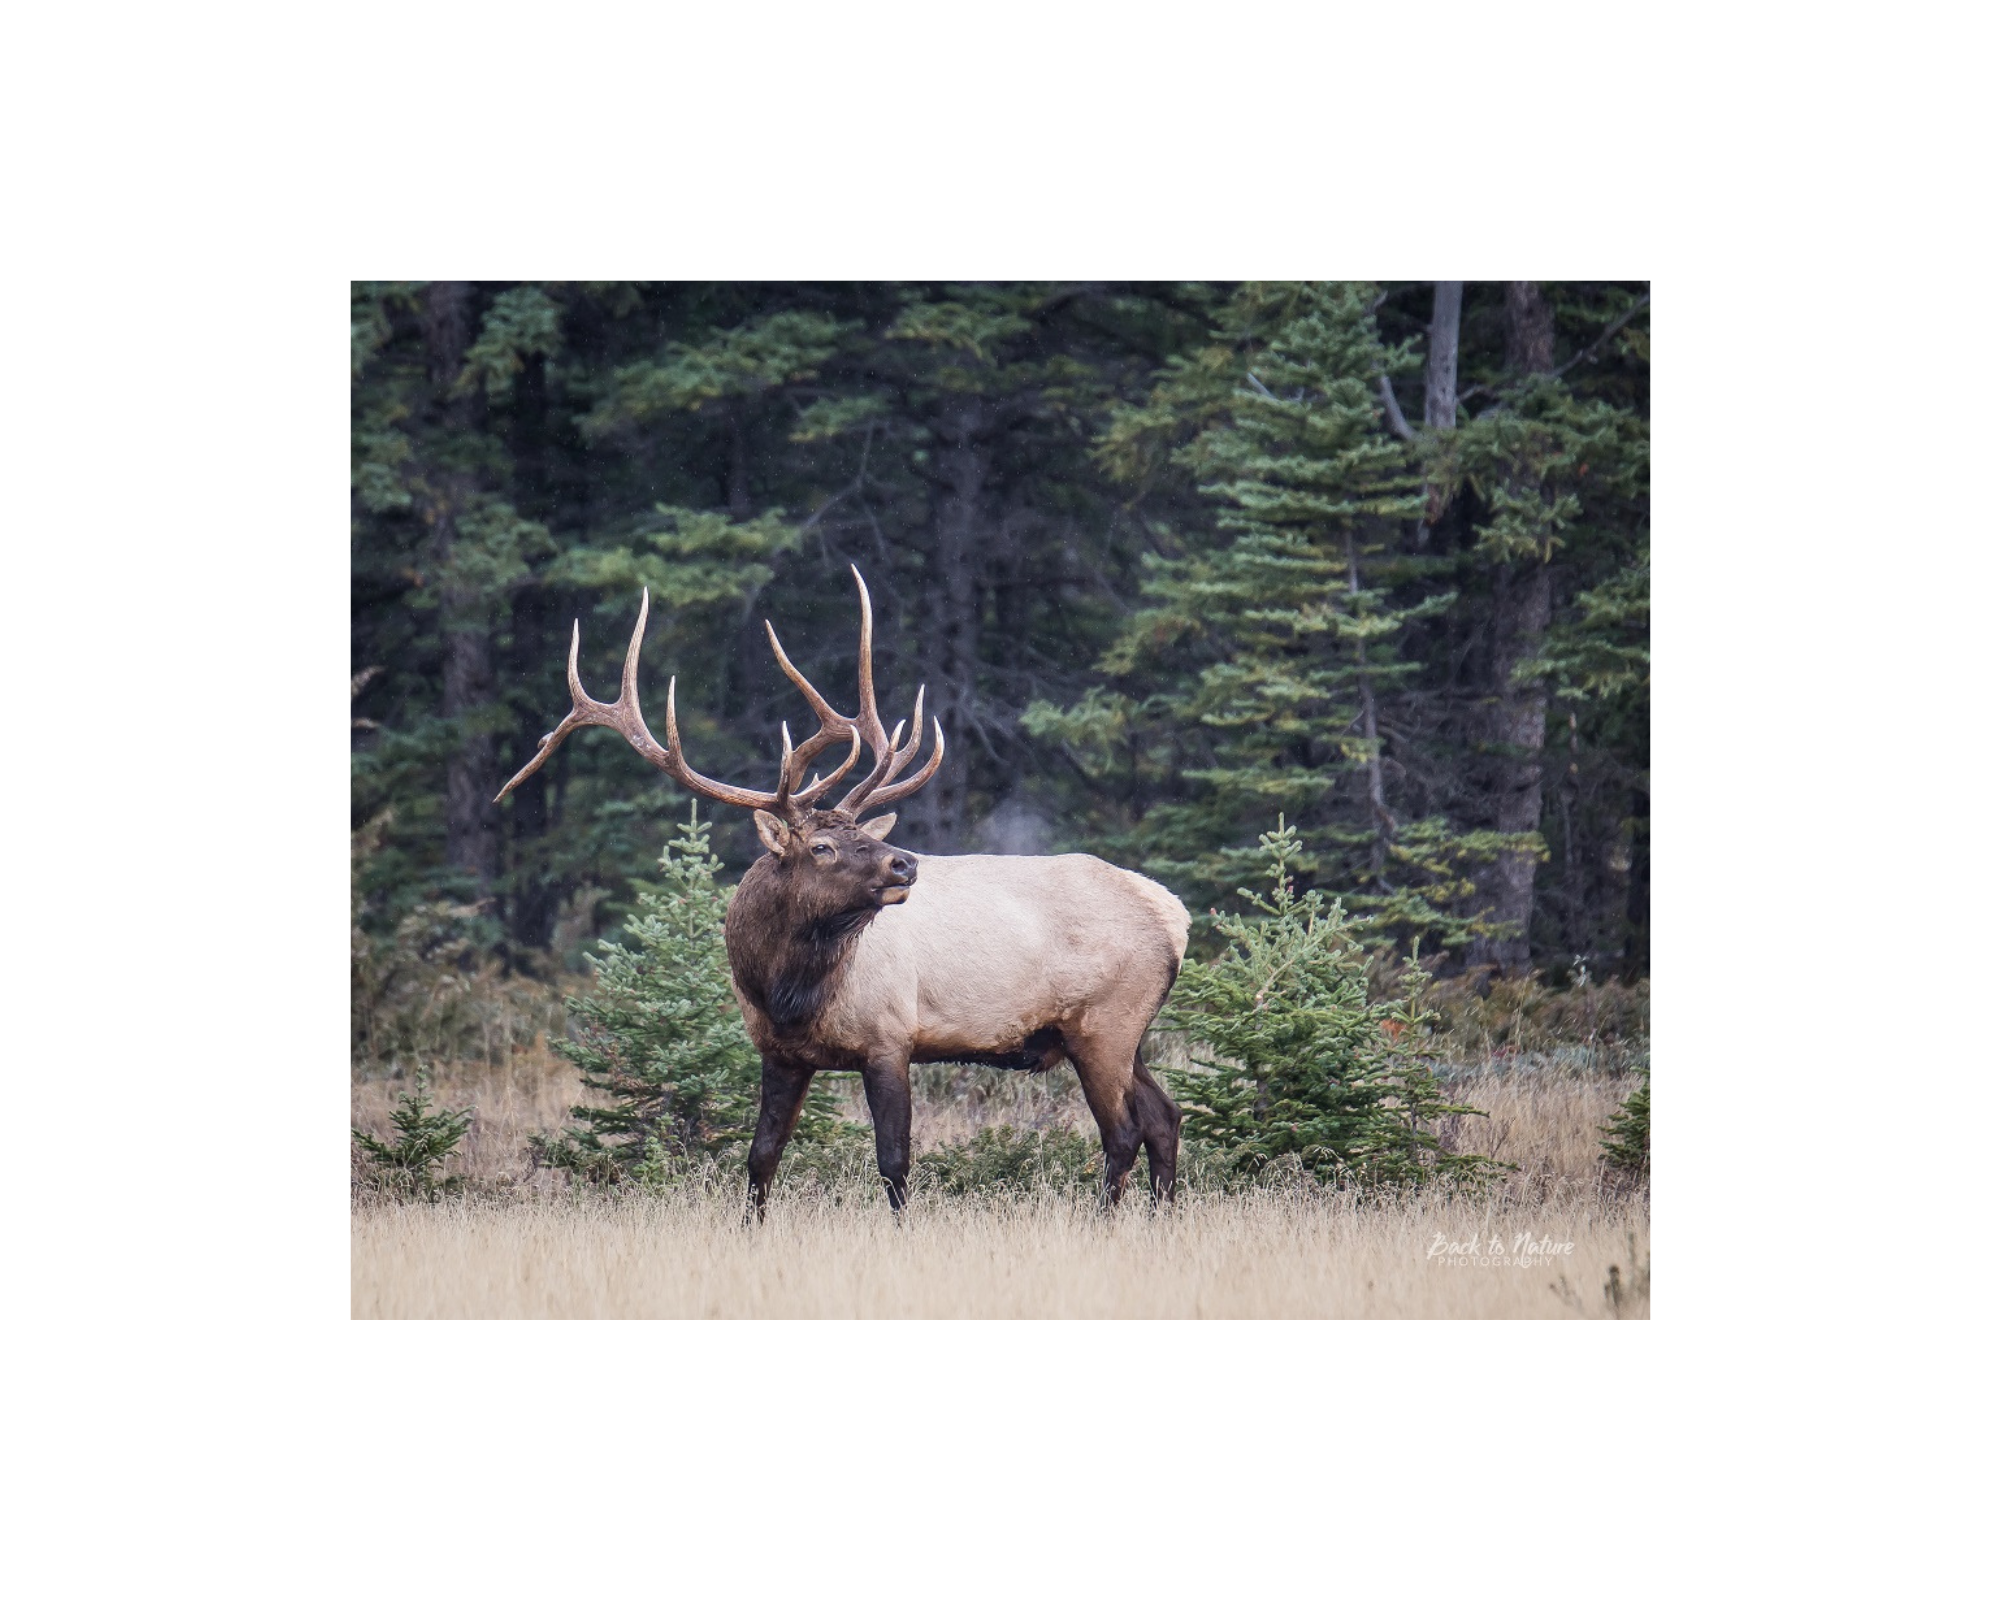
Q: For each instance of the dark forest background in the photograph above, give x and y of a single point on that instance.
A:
(1172, 559)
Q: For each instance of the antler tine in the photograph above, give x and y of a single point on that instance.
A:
(819, 786)
(865, 727)
(869, 795)
(931, 769)
(625, 716)
(784, 789)
(675, 762)
(563, 729)
(832, 725)
(628, 685)
(895, 758)
(904, 754)
(828, 717)
(869, 717)
(576, 695)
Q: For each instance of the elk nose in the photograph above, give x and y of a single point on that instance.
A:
(902, 869)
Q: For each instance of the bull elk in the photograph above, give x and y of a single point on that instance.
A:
(849, 955)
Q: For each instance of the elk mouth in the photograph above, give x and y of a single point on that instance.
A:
(892, 894)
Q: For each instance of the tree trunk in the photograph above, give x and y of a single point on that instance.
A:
(1441, 360)
(959, 549)
(1574, 890)
(472, 775)
(1531, 329)
(1639, 890)
(1378, 801)
(1516, 716)
(1440, 389)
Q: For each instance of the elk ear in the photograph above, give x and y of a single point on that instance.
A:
(771, 830)
(877, 828)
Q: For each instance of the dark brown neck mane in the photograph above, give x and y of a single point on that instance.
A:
(785, 953)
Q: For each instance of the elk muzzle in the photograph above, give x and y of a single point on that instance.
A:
(902, 873)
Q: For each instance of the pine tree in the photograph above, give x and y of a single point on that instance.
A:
(1628, 1136)
(661, 1037)
(1265, 672)
(1290, 1056)
(426, 1138)
(1549, 482)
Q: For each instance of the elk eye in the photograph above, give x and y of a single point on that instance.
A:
(824, 852)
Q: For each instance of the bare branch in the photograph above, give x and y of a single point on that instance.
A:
(1588, 353)
(1604, 338)
(1398, 424)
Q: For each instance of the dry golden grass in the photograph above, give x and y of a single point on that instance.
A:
(1545, 1124)
(517, 1245)
(529, 1093)
(689, 1254)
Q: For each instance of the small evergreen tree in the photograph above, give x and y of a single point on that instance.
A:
(1628, 1136)
(661, 1036)
(425, 1140)
(1291, 1057)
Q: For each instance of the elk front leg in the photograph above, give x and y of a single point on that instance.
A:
(785, 1087)
(887, 1084)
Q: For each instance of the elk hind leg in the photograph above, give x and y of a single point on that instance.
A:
(1109, 1091)
(1159, 1122)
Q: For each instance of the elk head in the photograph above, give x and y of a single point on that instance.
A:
(835, 866)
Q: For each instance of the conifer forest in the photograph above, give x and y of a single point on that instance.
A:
(1323, 605)
(1173, 560)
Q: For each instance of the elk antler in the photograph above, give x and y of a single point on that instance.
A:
(892, 754)
(625, 717)
(791, 798)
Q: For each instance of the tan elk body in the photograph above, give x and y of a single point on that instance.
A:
(989, 950)
(847, 954)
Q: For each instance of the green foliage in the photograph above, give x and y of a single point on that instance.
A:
(368, 319)
(660, 1037)
(426, 1138)
(1290, 1058)
(686, 558)
(1605, 648)
(490, 555)
(1156, 549)
(1004, 1160)
(1582, 1026)
(522, 322)
(424, 992)
(976, 322)
(1628, 1136)
(831, 418)
(731, 363)
(1255, 678)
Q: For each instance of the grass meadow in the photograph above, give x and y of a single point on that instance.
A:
(516, 1242)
